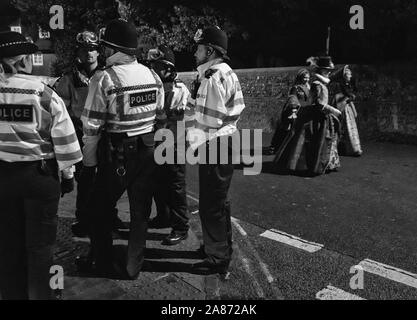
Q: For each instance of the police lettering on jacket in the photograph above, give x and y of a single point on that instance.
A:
(126, 97)
(35, 124)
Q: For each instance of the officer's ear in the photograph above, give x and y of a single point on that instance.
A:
(210, 51)
(25, 64)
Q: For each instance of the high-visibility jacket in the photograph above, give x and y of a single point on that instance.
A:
(218, 104)
(176, 99)
(35, 124)
(72, 87)
(124, 98)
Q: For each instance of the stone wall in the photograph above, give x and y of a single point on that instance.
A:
(386, 99)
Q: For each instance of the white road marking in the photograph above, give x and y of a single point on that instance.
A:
(262, 264)
(248, 270)
(389, 272)
(239, 227)
(333, 293)
(291, 240)
(194, 212)
(192, 198)
(266, 272)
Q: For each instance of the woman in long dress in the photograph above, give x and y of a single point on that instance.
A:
(312, 141)
(298, 97)
(344, 94)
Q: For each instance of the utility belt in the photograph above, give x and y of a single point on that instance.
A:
(118, 147)
(46, 167)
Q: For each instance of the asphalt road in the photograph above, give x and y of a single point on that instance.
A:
(367, 210)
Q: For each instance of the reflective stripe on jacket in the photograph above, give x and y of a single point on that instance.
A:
(176, 99)
(219, 101)
(35, 124)
(124, 98)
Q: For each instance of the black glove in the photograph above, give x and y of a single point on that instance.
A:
(67, 186)
(194, 88)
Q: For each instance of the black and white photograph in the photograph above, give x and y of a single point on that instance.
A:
(211, 157)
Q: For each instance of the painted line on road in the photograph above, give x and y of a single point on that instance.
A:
(248, 269)
(195, 212)
(262, 264)
(291, 240)
(389, 272)
(192, 198)
(239, 227)
(333, 293)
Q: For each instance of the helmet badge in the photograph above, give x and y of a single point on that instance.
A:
(198, 35)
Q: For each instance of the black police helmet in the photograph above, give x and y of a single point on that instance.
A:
(120, 35)
(14, 44)
(214, 37)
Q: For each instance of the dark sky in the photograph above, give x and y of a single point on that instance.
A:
(286, 32)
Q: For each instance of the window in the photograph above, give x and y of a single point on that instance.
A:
(38, 59)
(44, 34)
(16, 29)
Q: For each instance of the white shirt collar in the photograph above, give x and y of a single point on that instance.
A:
(120, 58)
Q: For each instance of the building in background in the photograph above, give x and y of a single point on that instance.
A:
(43, 61)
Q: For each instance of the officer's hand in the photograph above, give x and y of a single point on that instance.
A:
(67, 186)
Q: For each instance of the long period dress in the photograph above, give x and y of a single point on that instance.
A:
(289, 139)
(350, 144)
(312, 141)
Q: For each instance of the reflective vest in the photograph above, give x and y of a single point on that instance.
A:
(124, 98)
(218, 104)
(35, 124)
(176, 99)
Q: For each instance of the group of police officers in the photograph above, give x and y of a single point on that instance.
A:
(113, 114)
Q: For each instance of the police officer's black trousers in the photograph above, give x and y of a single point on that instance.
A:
(85, 178)
(139, 181)
(214, 210)
(28, 225)
(171, 196)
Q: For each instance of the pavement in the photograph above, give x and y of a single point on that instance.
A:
(346, 235)
(167, 276)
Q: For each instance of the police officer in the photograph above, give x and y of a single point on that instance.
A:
(37, 140)
(72, 87)
(218, 103)
(170, 196)
(124, 105)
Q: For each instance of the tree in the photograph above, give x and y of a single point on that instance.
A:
(263, 33)
(85, 15)
(170, 23)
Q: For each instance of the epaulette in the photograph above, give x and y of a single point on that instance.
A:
(177, 83)
(50, 87)
(209, 73)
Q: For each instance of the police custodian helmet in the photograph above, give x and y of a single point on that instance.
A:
(14, 44)
(120, 35)
(214, 37)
